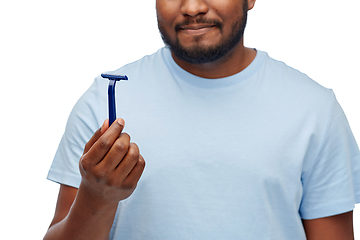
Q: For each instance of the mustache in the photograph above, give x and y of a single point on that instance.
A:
(188, 21)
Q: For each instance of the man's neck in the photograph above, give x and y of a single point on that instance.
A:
(234, 62)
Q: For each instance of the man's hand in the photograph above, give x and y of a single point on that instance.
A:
(111, 166)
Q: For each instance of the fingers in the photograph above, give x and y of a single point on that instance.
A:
(128, 172)
(111, 166)
(116, 153)
(96, 135)
(121, 159)
(129, 161)
(102, 145)
(135, 174)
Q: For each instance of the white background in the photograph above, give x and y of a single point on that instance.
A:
(50, 52)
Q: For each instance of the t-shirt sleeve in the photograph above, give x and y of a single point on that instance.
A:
(81, 125)
(331, 184)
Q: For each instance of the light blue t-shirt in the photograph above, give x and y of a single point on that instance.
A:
(242, 157)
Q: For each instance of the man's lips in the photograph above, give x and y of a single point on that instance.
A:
(196, 26)
(195, 29)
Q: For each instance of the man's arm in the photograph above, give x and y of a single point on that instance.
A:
(338, 227)
(78, 217)
(65, 199)
(110, 168)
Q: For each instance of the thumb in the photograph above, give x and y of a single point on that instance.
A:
(97, 135)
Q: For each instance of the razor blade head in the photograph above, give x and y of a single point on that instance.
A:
(114, 77)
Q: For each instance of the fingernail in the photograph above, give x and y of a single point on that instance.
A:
(121, 121)
(102, 126)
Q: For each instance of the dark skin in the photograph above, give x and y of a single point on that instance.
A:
(337, 227)
(111, 166)
(171, 13)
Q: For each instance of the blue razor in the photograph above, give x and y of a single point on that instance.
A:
(111, 94)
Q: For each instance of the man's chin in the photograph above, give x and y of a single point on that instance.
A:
(197, 54)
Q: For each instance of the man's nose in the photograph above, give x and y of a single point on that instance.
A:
(193, 8)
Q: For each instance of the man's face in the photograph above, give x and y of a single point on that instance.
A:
(201, 31)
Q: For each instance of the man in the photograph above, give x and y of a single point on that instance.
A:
(237, 145)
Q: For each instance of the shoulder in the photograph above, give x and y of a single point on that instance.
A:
(289, 75)
(294, 84)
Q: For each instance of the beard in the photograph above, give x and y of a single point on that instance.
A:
(198, 54)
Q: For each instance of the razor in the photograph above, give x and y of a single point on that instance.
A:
(111, 94)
